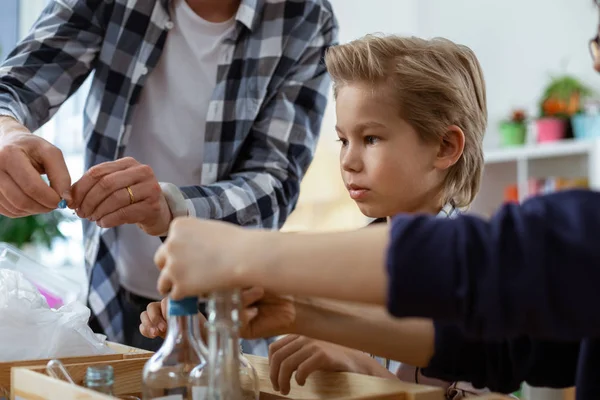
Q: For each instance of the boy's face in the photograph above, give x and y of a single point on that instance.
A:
(385, 166)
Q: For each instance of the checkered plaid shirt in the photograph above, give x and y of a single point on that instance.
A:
(262, 124)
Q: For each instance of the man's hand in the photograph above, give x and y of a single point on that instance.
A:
(122, 192)
(24, 157)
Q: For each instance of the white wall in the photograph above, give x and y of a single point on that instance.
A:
(359, 17)
(519, 43)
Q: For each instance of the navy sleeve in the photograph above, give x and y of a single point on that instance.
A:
(531, 270)
(501, 366)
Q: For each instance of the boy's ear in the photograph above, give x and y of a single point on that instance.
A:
(451, 147)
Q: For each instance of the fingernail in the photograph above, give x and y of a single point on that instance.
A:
(92, 218)
(162, 326)
(62, 204)
(66, 195)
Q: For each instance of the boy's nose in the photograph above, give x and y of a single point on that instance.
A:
(351, 161)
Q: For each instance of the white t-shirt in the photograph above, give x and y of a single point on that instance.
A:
(168, 128)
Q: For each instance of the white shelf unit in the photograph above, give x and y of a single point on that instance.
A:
(566, 158)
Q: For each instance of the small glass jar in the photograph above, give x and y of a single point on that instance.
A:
(100, 379)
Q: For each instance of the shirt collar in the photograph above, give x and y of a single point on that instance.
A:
(249, 13)
(448, 211)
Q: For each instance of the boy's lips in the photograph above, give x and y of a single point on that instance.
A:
(357, 192)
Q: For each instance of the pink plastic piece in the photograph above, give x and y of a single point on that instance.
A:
(53, 300)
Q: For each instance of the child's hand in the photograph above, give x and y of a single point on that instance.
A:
(201, 256)
(304, 356)
(154, 323)
(154, 319)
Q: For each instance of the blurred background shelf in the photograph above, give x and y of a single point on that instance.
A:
(561, 160)
(562, 148)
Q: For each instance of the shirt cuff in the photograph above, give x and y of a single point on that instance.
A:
(177, 203)
(7, 113)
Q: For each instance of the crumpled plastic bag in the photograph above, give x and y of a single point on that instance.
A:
(30, 329)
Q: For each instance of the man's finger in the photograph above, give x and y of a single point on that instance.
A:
(10, 213)
(56, 169)
(30, 182)
(17, 201)
(128, 215)
(80, 188)
(99, 205)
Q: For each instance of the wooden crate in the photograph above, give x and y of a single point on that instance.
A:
(31, 383)
(122, 352)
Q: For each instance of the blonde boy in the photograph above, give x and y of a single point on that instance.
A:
(411, 115)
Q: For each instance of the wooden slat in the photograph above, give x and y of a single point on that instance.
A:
(322, 385)
(121, 352)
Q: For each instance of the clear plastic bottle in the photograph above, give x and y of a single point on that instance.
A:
(230, 375)
(177, 370)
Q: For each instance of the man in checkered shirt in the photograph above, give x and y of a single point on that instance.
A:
(210, 108)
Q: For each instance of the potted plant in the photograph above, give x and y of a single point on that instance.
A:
(514, 130)
(562, 99)
(32, 232)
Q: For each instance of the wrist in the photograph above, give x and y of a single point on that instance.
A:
(10, 125)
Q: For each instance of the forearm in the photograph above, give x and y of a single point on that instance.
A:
(344, 266)
(410, 341)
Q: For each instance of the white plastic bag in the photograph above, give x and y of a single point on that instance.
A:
(29, 329)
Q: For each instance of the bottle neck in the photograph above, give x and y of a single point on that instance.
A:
(183, 321)
(223, 340)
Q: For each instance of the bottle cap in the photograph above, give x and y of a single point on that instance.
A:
(185, 306)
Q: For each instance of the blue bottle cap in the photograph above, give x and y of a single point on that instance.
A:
(183, 307)
(62, 204)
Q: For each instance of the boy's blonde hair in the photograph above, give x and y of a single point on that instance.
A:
(436, 83)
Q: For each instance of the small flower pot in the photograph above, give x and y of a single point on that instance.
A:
(512, 134)
(585, 126)
(550, 129)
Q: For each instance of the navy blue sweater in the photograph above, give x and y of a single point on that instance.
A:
(515, 299)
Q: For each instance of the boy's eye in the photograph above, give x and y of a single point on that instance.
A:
(344, 142)
(371, 139)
